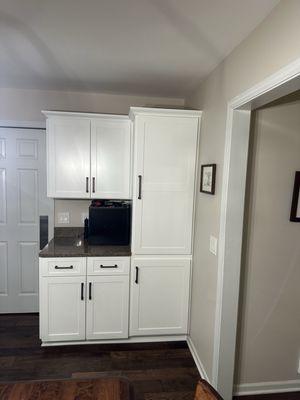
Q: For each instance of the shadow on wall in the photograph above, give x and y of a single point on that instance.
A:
(21, 36)
(192, 33)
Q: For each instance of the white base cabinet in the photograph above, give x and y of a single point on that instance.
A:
(62, 310)
(107, 307)
(75, 306)
(87, 299)
(159, 296)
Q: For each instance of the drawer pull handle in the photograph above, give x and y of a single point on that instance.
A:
(140, 187)
(108, 266)
(90, 290)
(136, 275)
(57, 267)
(82, 289)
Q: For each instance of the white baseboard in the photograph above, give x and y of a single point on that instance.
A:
(132, 339)
(197, 360)
(267, 387)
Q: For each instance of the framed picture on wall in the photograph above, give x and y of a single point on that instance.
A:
(295, 209)
(208, 178)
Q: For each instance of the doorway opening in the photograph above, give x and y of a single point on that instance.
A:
(268, 329)
(282, 83)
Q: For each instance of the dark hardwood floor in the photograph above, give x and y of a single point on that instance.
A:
(157, 371)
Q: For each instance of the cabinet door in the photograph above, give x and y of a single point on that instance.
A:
(107, 307)
(159, 296)
(68, 157)
(111, 159)
(165, 161)
(62, 308)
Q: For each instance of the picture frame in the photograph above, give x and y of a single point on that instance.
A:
(208, 178)
(295, 208)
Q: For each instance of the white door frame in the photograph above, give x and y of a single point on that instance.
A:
(8, 123)
(284, 81)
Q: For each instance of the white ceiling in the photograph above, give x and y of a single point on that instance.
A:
(149, 47)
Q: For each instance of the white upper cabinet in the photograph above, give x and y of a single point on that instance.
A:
(68, 151)
(89, 155)
(111, 158)
(164, 180)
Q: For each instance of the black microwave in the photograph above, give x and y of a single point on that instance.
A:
(109, 223)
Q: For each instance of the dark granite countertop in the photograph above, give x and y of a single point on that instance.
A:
(68, 242)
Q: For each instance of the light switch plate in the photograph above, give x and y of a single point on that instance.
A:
(213, 245)
(63, 217)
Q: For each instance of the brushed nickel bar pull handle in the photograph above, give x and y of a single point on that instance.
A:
(87, 184)
(82, 290)
(57, 267)
(136, 275)
(140, 187)
(90, 290)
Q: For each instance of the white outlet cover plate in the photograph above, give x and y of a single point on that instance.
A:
(63, 218)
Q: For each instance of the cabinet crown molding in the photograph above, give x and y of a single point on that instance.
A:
(175, 112)
(83, 115)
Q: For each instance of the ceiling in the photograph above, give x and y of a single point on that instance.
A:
(148, 47)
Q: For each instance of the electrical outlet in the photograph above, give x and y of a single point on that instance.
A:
(84, 215)
(213, 245)
(63, 217)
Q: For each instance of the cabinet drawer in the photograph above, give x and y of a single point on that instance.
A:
(108, 265)
(63, 266)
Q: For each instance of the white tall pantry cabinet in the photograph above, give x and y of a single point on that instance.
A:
(163, 207)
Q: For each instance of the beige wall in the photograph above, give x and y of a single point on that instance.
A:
(75, 208)
(269, 344)
(270, 47)
(26, 105)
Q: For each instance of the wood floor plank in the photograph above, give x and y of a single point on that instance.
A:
(99, 389)
(158, 371)
(149, 366)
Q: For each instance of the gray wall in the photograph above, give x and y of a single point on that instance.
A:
(274, 44)
(269, 338)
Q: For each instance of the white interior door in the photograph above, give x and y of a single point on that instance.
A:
(159, 296)
(107, 307)
(165, 151)
(22, 201)
(111, 158)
